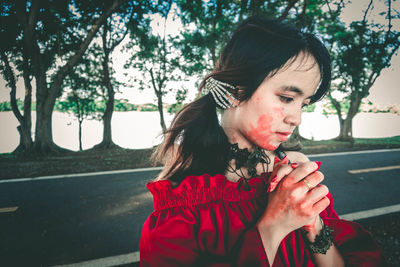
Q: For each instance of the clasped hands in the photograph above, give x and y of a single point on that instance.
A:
(295, 199)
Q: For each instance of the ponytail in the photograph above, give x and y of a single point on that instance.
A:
(195, 143)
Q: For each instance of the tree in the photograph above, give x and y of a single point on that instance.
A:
(24, 119)
(81, 103)
(55, 36)
(156, 60)
(359, 53)
(208, 25)
(14, 53)
(113, 33)
(82, 89)
(128, 17)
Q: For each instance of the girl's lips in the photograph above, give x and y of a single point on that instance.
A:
(284, 133)
(283, 136)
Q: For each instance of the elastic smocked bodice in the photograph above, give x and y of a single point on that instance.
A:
(195, 190)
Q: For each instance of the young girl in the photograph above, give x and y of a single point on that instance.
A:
(230, 193)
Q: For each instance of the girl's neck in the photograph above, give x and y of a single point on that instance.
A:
(248, 163)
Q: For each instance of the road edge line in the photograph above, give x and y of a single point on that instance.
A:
(107, 261)
(74, 175)
(160, 168)
(353, 152)
(359, 215)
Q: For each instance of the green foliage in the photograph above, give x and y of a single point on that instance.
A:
(180, 98)
(81, 96)
(6, 105)
(147, 107)
(99, 106)
(329, 108)
(123, 105)
(309, 108)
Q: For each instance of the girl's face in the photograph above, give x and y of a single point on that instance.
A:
(274, 110)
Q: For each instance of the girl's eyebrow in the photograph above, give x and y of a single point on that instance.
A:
(294, 89)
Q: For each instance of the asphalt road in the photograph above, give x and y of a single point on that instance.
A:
(67, 220)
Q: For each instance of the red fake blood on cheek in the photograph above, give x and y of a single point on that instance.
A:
(260, 133)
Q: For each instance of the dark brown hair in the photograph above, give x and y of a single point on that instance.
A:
(195, 143)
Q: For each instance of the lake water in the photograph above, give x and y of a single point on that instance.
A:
(142, 129)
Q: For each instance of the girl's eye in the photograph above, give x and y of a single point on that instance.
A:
(286, 99)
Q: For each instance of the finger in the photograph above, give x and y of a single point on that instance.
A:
(277, 160)
(321, 205)
(302, 171)
(317, 193)
(278, 174)
(312, 180)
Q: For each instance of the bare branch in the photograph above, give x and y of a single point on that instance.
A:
(390, 20)
(287, 9)
(59, 77)
(366, 11)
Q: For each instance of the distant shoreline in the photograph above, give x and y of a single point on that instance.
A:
(141, 130)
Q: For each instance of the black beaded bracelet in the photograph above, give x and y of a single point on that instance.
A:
(323, 241)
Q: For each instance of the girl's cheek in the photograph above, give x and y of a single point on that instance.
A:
(280, 112)
(261, 132)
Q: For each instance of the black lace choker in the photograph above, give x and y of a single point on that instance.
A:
(248, 160)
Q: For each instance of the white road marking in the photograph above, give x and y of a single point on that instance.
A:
(8, 209)
(134, 257)
(386, 168)
(160, 168)
(74, 175)
(353, 152)
(370, 213)
(108, 261)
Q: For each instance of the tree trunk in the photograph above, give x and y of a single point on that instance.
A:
(44, 110)
(107, 141)
(346, 130)
(27, 99)
(107, 131)
(161, 111)
(43, 134)
(158, 93)
(346, 125)
(80, 133)
(296, 137)
(24, 129)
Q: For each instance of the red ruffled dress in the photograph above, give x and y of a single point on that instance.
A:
(211, 221)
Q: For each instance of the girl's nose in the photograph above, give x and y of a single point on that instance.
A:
(293, 116)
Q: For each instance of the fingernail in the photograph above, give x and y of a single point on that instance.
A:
(276, 159)
(273, 180)
(319, 165)
(271, 187)
(294, 165)
(271, 184)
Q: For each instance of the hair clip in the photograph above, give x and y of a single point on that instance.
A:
(222, 97)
